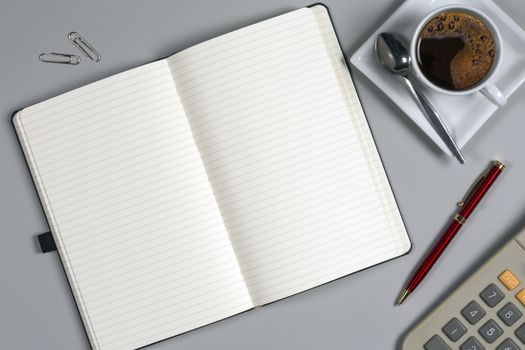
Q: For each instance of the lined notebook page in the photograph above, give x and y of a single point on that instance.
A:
(131, 209)
(288, 152)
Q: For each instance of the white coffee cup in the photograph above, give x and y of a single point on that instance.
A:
(485, 86)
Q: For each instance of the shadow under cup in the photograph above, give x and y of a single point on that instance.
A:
(457, 49)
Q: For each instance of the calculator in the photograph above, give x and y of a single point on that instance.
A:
(487, 312)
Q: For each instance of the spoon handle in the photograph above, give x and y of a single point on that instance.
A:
(436, 122)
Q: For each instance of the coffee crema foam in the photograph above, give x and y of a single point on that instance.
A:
(456, 50)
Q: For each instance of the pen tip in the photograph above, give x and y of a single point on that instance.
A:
(402, 297)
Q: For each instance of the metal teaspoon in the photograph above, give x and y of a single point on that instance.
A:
(393, 55)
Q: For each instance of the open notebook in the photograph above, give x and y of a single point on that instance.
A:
(229, 175)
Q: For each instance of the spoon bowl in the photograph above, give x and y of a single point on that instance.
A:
(392, 54)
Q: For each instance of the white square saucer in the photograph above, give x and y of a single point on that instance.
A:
(464, 115)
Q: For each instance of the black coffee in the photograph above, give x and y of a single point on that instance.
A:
(455, 50)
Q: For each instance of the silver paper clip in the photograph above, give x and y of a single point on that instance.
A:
(86, 48)
(61, 58)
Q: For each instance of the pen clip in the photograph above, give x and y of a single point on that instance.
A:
(473, 187)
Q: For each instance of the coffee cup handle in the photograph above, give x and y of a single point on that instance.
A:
(494, 95)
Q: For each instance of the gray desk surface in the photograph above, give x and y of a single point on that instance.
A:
(36, 308)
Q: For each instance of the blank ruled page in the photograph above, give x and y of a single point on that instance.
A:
(131, 209)
(289, 154)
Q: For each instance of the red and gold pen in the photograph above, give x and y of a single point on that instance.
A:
(465, 208)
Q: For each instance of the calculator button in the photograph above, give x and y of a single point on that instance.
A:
(492, 295)
(472, 344)
(509, 314)
(473, 312)
(436, 343)
(508, 344)
(509, 280)
(521, 296)
(454, 329)
(490, 331)
(520, 333)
